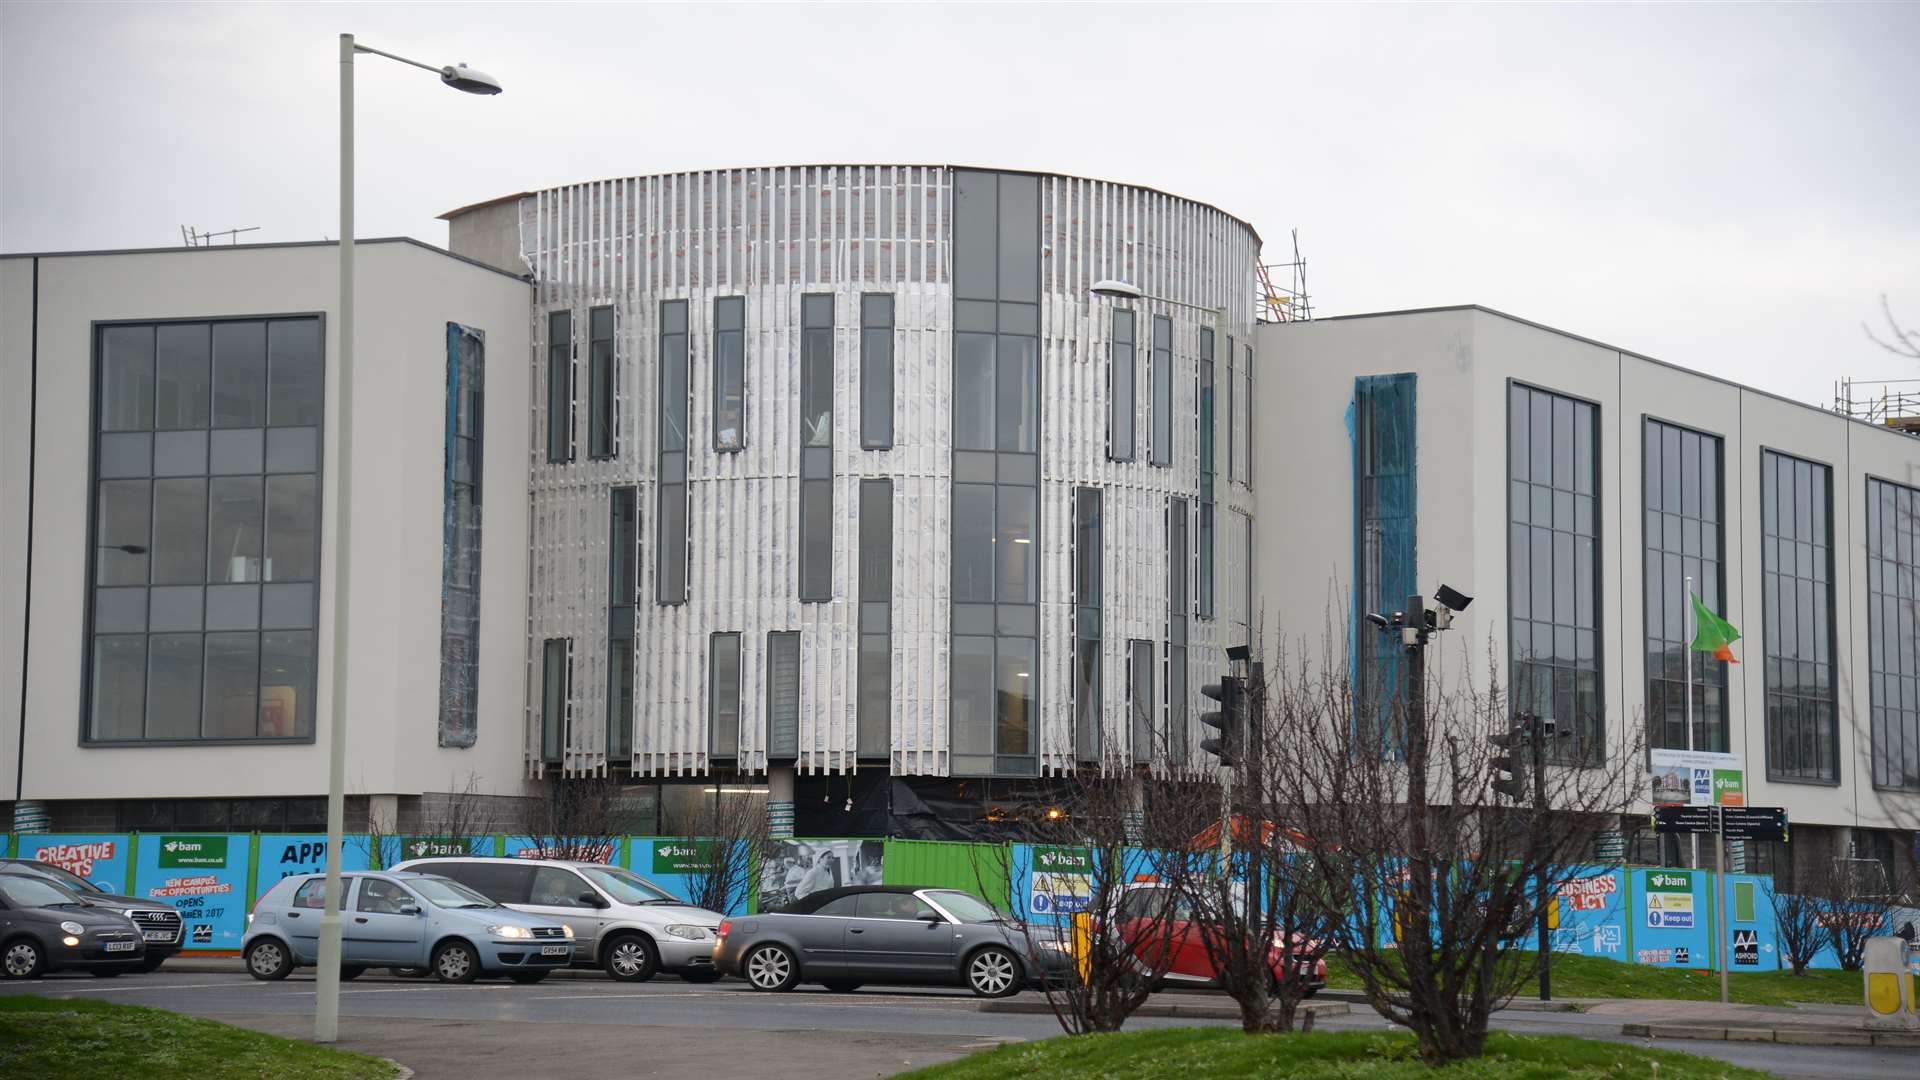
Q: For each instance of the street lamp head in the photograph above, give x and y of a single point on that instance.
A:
(1115, 289)
(465, 79)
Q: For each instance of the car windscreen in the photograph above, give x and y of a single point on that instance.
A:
(60, 874)
(965, 906)
(448, 894)
(627, 887)
(21, 891)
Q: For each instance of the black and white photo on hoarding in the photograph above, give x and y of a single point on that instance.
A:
(791, 869)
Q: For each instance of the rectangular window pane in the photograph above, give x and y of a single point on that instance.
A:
(1019, 259)
(973, 696)
(1227, 411)
(783, 695)
(292, 505)
(876, 687)
(1177, 705)
(1013, 547)
(876, 599)
(173, 686)
(976, 211)
(239, 374)
(876, 541)
(126, 378)
(673, 375)
(1016, 676)
(620, 700)
(601, 415)
(286, 684)
(1177, 565)
(723, 696)
(1162, 390)
(1141, 710)
(121, 533)
(119, 687)
(876, 371)
(729, 373)
(560, 387)
(1206, 607)
(816, 371)
(235, 511)
(1089, 551)
(179, 531)
(232, 686)
(1801, 705)
(1121, 385)
(973, 542)
(184, 382)
(1018, 409)
(670, 549)
(555, 691)
(623, 543)
(294, 384)
(816, 540)
(973, 391)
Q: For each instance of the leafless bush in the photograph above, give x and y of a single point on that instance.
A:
(729, 836)
(581, 818)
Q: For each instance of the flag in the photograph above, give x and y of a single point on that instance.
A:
(1712, 633)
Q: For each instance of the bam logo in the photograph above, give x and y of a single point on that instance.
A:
(193, 851)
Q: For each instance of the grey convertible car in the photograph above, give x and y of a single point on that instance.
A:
(890, 934)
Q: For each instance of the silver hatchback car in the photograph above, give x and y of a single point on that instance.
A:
(400, 920)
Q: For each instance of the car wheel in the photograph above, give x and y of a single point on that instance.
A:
(526, 977)
(700, 976)
(631, 958)
(150, 964)
(841, 986)
(23, 959)
(771, 967)
(456, 962)
(348, 973)
(993, 972)
(268, 960)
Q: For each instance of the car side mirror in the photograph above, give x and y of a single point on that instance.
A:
(592, 900)
(933, 918)
(409, 909)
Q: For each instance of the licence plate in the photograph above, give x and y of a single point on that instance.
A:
(158, 935)
(121, 946)
(555, 950)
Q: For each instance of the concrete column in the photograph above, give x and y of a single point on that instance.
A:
(780, 802)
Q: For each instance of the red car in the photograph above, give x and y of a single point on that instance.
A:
(1139, 919)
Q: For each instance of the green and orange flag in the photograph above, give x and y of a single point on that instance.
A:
(1712, 634)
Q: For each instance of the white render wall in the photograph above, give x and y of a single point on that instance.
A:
(1464, 359)
(773, 235)
(407, 293)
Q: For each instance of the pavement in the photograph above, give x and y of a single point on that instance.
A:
(582, 1023)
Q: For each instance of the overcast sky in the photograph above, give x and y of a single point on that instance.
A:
(1727, 188)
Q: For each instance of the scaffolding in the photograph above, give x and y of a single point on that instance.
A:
(1894, 403)
(1286, 301)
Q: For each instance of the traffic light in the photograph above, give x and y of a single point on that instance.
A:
(1230, 720)
(1516, 755)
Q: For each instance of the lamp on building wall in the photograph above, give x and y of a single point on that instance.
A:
(326, 1012)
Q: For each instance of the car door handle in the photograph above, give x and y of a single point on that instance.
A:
(293, 914)
(855, 930)
(359, 918)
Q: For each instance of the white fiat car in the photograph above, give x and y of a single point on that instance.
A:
(621, 922)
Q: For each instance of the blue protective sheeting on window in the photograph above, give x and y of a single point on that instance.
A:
(1381, 428)
(460, 535)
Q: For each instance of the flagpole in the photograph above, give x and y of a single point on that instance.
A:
(1686, 655)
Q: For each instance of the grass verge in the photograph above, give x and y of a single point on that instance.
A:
(1589, 976)
(1216, 1054)
(52, 1039)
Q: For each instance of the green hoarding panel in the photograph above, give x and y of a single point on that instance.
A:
(981, 869)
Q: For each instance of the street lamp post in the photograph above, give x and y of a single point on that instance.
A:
(326, 1013)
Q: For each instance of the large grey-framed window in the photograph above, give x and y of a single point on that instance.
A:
(1385, 555)
(602, 417)
(559, 387)
(729, 373)
(1553, 562)
(1179, 566)
(1893, 638)
(1203, 404)
(460, 536)
(670, 517)
(783, 695)
(1231, 418)
(205, 532)
(723, 695)
(1161, 449)
(1142, 706)
(876, 371)
(874, 722)
(1796, 573)
(1122, 379)
(996, 474)
(1681, 492)
(556, 697)
(623, 592)
(1088, 553)
(816, 448)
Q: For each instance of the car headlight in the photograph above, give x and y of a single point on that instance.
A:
(73, 928)
(1058, 946)
(510, 931)
(569, 931)
(687, 931)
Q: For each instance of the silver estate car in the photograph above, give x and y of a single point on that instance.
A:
(889, 934)
(622, 922)
(399, 920)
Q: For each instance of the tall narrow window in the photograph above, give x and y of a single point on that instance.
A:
(1386, 505)
(996, 473)
(559, 387)
(1088, 552)
(1204, 405)
(1893, 639)
(1178, 567)
(1553, 449)
(602, 418)
(783, 695)
(1232, 439)
(1684, 540)
(723, 695)
(1120, 423)
(816, 448)
(876, 371)
(875, 720)
(1162, 362)
(1796, 568)
(460, 535)
(670, 519)
(1246, 420)
(556, 695)
(1142, 708)
(730, 373)
(623, 558)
